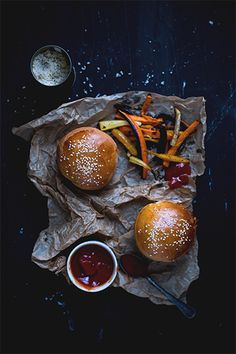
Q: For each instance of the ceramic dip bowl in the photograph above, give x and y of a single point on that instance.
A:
(92, 266)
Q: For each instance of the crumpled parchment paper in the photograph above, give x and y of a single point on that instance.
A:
(111, 212)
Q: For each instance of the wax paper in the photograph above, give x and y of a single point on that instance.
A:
(109, 214)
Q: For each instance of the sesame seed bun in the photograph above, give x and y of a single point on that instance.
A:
(87, 157)
(164, 231)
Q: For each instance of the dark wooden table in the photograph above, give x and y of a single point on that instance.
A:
(173, 48)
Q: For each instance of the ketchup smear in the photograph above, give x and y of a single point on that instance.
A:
(177, 174)
(92, 266)
(133, 265)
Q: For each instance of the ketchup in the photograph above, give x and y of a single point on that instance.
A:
(177, 174)
(133, 265)
(92, 266)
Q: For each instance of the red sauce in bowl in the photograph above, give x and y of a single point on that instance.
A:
(91, 266)
(177, 174)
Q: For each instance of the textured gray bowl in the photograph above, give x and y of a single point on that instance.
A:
(53, 49)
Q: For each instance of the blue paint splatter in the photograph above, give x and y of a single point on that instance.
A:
(119, 74)
(225, 109)
(21, 232)
(71, 324)
(148, 78)
(172, 68)
(61, 303)
(58, 299)
(210, 186)
(210, 180)
(226, 206)
(183, 87)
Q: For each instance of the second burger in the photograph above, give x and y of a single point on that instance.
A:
(164, 231)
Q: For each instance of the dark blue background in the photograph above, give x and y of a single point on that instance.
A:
(180, 48)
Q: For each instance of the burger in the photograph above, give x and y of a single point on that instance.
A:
(87, 157)
(164, 231)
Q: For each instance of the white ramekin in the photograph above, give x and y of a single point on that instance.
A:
(97, 288)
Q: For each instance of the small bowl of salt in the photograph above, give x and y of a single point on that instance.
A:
(51, 65)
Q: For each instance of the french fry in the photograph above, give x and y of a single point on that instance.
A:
(150, 133)
(151, 139)
(112, 124)
(151, 120)
(180, 140)
(147, 126)
(144, 120)
(123, 139)
(170, 158)
(170, 134)
(155, 133)
(146, 104)
(134, 130)
(177, 127)
(119, 116)
(139, 162)
(142, 143)
(132, 138)
(126, 130)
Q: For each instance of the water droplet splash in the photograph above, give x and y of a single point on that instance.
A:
(58, 300)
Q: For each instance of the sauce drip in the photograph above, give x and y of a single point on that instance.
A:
(92, 266)
(177, 174)
(133, 265)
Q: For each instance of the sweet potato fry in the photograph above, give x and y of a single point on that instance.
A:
(147, 126)
(146, 104)
(170, 134)
(180, 140)
(150, 133)
(142, 143)
(119, 116)
(147, 138)
(127, 130)
(155, 133)
(143, 120)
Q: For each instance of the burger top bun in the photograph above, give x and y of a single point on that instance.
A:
(164, 231)
(87, 157)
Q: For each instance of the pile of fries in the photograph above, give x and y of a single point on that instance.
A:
(140, 132)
